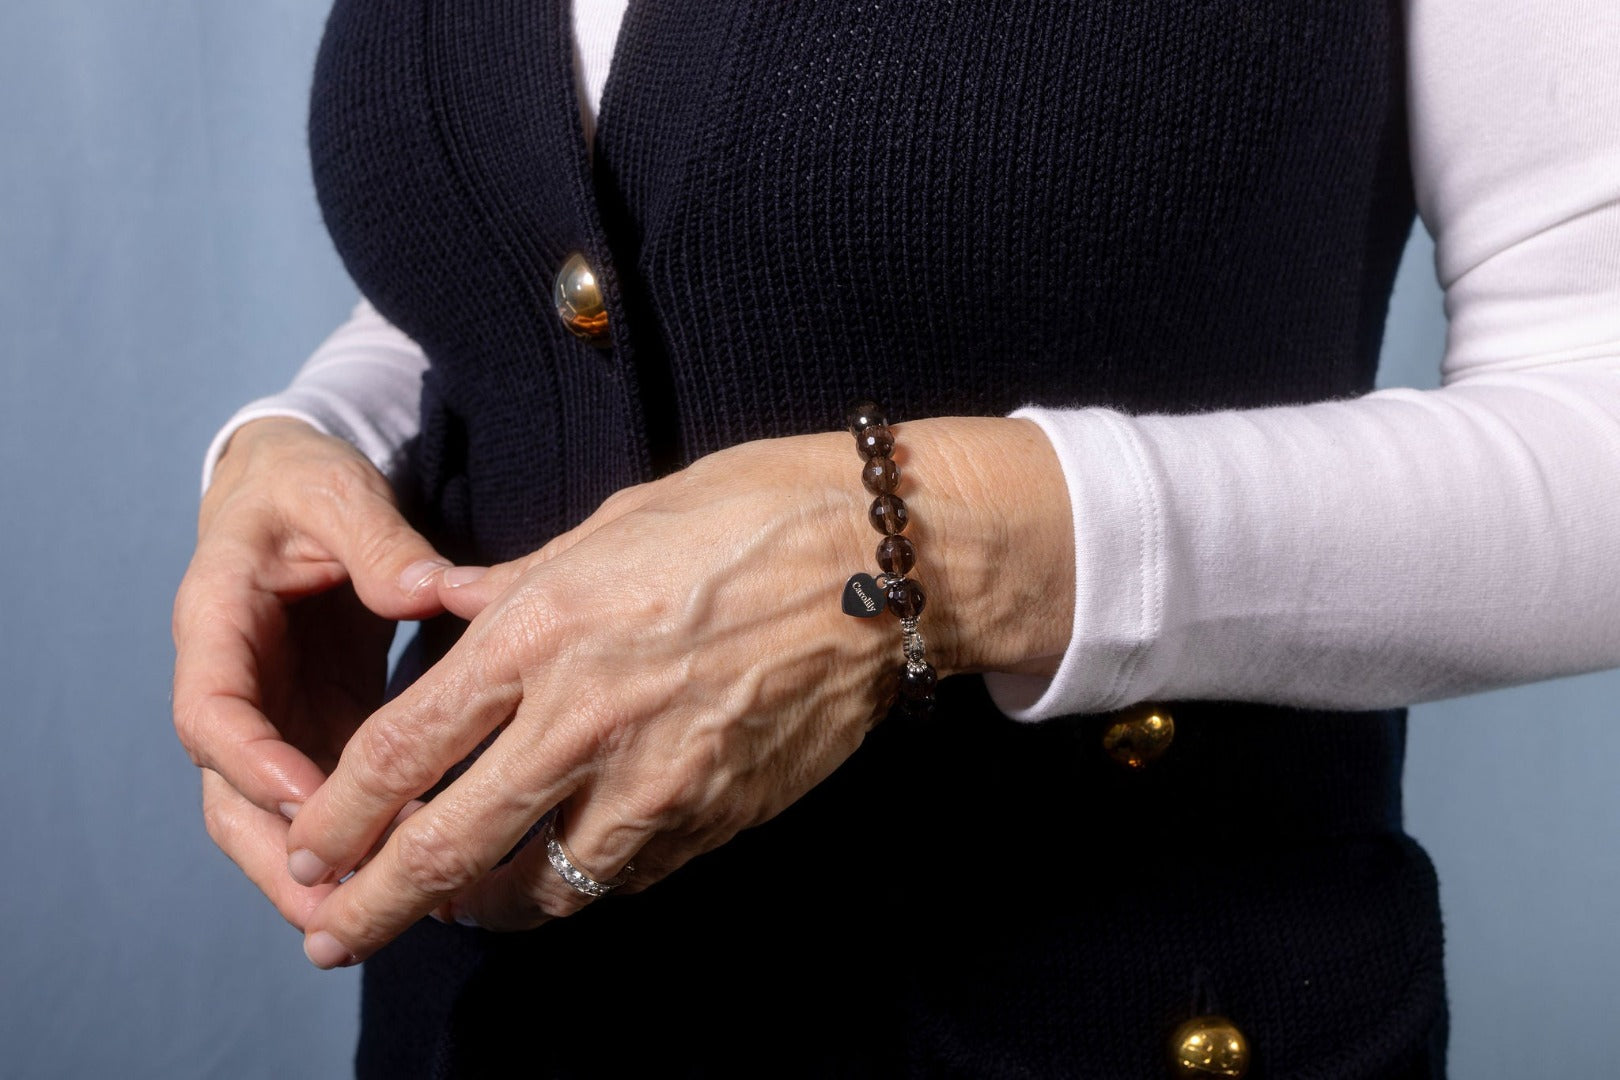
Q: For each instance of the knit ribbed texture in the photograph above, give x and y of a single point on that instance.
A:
(955, 208)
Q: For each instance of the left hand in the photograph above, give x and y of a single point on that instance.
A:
(675, 669)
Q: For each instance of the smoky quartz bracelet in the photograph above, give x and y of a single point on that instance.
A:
(866, 596)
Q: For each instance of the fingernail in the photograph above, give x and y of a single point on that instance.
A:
(464, 575)
(289, 810)
(418, 574)
(306, 867)
(325, 951)
(461, 917)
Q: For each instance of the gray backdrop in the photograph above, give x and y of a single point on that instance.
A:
(161, 260)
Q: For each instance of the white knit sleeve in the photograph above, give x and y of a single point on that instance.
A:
(1406, 545)
(363, 384)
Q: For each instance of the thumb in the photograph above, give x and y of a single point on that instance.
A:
(467, 590)
(394, 569)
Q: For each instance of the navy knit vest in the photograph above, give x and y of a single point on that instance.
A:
(955, 207)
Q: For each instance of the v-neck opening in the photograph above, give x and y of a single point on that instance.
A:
(615, 73)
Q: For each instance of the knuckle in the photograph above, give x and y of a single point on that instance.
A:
(214, 821)
(354, 477)
(217, 818)
(658, 807)
(343, 483)
(188, 727)
(194, 598)
(432, 864)
(623, 499)
(392, 760)
(539, 621)
(611, 506)
(377, 546)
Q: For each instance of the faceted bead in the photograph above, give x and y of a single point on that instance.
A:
(874, 441)
(896, 555)
(863, 414)
(918, 685)
(880, 475)
(918, 711)
(888, 515)
(906, 598)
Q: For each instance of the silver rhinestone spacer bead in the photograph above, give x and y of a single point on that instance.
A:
(914, 646)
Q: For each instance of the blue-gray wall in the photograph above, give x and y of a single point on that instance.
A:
(161, 260)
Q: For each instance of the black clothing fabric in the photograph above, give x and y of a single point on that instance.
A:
(955, 208)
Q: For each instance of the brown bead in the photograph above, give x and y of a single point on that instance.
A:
(874, 441)
(918, 711)
(918, 685)
(896, 555)
(888, 515)
(863, 414)
(906, 598)
(880, 475)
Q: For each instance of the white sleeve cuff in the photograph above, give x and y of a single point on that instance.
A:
(362, 384)
(1122, 570)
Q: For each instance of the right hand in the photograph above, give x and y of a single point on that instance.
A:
(282, 626)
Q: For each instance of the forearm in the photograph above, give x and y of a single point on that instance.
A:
(1401, 547)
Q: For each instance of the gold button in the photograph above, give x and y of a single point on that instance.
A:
(1209, 1046)
(579, 300)
(1139, 735)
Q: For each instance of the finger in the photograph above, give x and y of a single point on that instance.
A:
(529, 890)
(218, 634)
(394, 569)
(455, 840)
(397, 754)
(404, 812)
(466, 591)
(255, 841)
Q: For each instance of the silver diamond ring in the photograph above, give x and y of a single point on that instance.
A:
(563, 863)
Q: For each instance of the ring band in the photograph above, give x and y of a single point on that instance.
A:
(577, 879)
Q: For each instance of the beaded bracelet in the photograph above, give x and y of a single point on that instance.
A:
(866, 597)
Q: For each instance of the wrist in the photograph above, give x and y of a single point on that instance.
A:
(995, 542)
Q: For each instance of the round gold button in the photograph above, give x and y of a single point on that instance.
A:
(579, 300)
(1139, 735)
(1209, 1046)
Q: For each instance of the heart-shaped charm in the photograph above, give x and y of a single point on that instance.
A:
(862, 597)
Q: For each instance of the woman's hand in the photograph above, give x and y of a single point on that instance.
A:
(672, 671)
(282, 626)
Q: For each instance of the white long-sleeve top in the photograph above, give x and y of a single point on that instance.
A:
(1399, 547)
